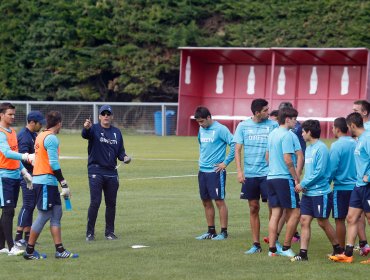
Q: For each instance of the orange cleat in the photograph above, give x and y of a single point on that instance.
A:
(342, 258)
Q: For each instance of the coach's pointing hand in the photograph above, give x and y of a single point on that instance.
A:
(87, 123)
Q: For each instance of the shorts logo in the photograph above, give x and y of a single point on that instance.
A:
(368, 202)
(93, 176)
(217, 192)
(8, 201)
(318, 207)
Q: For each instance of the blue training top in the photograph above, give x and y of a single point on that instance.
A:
(51, 144)
(367, 125)
(213, 141)
(298, 131)
(26, 144)
(104, 148)
(280, 142)
(362, 158)
(297, 147)
(342, 164)
(317, 170)
(253, 135)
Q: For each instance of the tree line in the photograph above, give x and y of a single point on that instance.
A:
(122, 50)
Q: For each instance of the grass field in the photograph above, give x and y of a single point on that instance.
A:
(158, 206)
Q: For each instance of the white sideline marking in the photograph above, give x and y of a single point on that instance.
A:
(149, 159)
(167, 177)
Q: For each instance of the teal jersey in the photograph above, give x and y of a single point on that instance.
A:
(342, 164)
(253, 136)
(317, 170)
(8, 153)
(280, 142)
(213, 141)
(51, 144)
(367, 125)
(297, 147)
(362, 158)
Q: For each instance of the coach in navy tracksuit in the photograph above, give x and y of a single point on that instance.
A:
(26, 141)
(104, 148)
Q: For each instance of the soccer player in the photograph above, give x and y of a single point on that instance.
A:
(317, 197)
(297, 129)
(343, 174)
(274, 115)
(104, 148)
(252, 134)
(10, 170)
(281, 178)
(213, 139)
(360, 196)
(26, 142)
(363, 108)
(46, 175)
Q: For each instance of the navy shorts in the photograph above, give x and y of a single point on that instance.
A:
(254, 188)
(281, 193)
(317, 206)
(360, 198)
(9, 191)
(46, 196)
(341, 204)
(212, 185)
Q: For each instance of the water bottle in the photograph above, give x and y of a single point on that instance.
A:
(67, 203)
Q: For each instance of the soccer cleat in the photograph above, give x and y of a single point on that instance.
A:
(21, 243)
(206, 235)
(90, 237)
(4, 251)
(221, 236)
(271, 254)
(364, 251)
(298, 258)
(34, 256)
(65, 255)
(266, 239)
(278, 246)
(253, 250)
(365, 262)
(111, 236)
(342, 258)
(15, 251)
(287, 253)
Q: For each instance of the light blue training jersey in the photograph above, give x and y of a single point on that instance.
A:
(342, 164)
(51, 144)
(297, 147)
(254, 136)
(362, 158)
(317, 170)
(367, 125)
(213, 141)
(8, 153)
(280, 142)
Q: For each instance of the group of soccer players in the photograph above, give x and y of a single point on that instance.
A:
(274, 157)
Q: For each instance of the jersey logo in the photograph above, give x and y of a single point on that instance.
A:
(101, 133)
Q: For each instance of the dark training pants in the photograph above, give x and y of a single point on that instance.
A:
(98, 184)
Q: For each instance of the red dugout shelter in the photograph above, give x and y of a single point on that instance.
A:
(322, 83)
